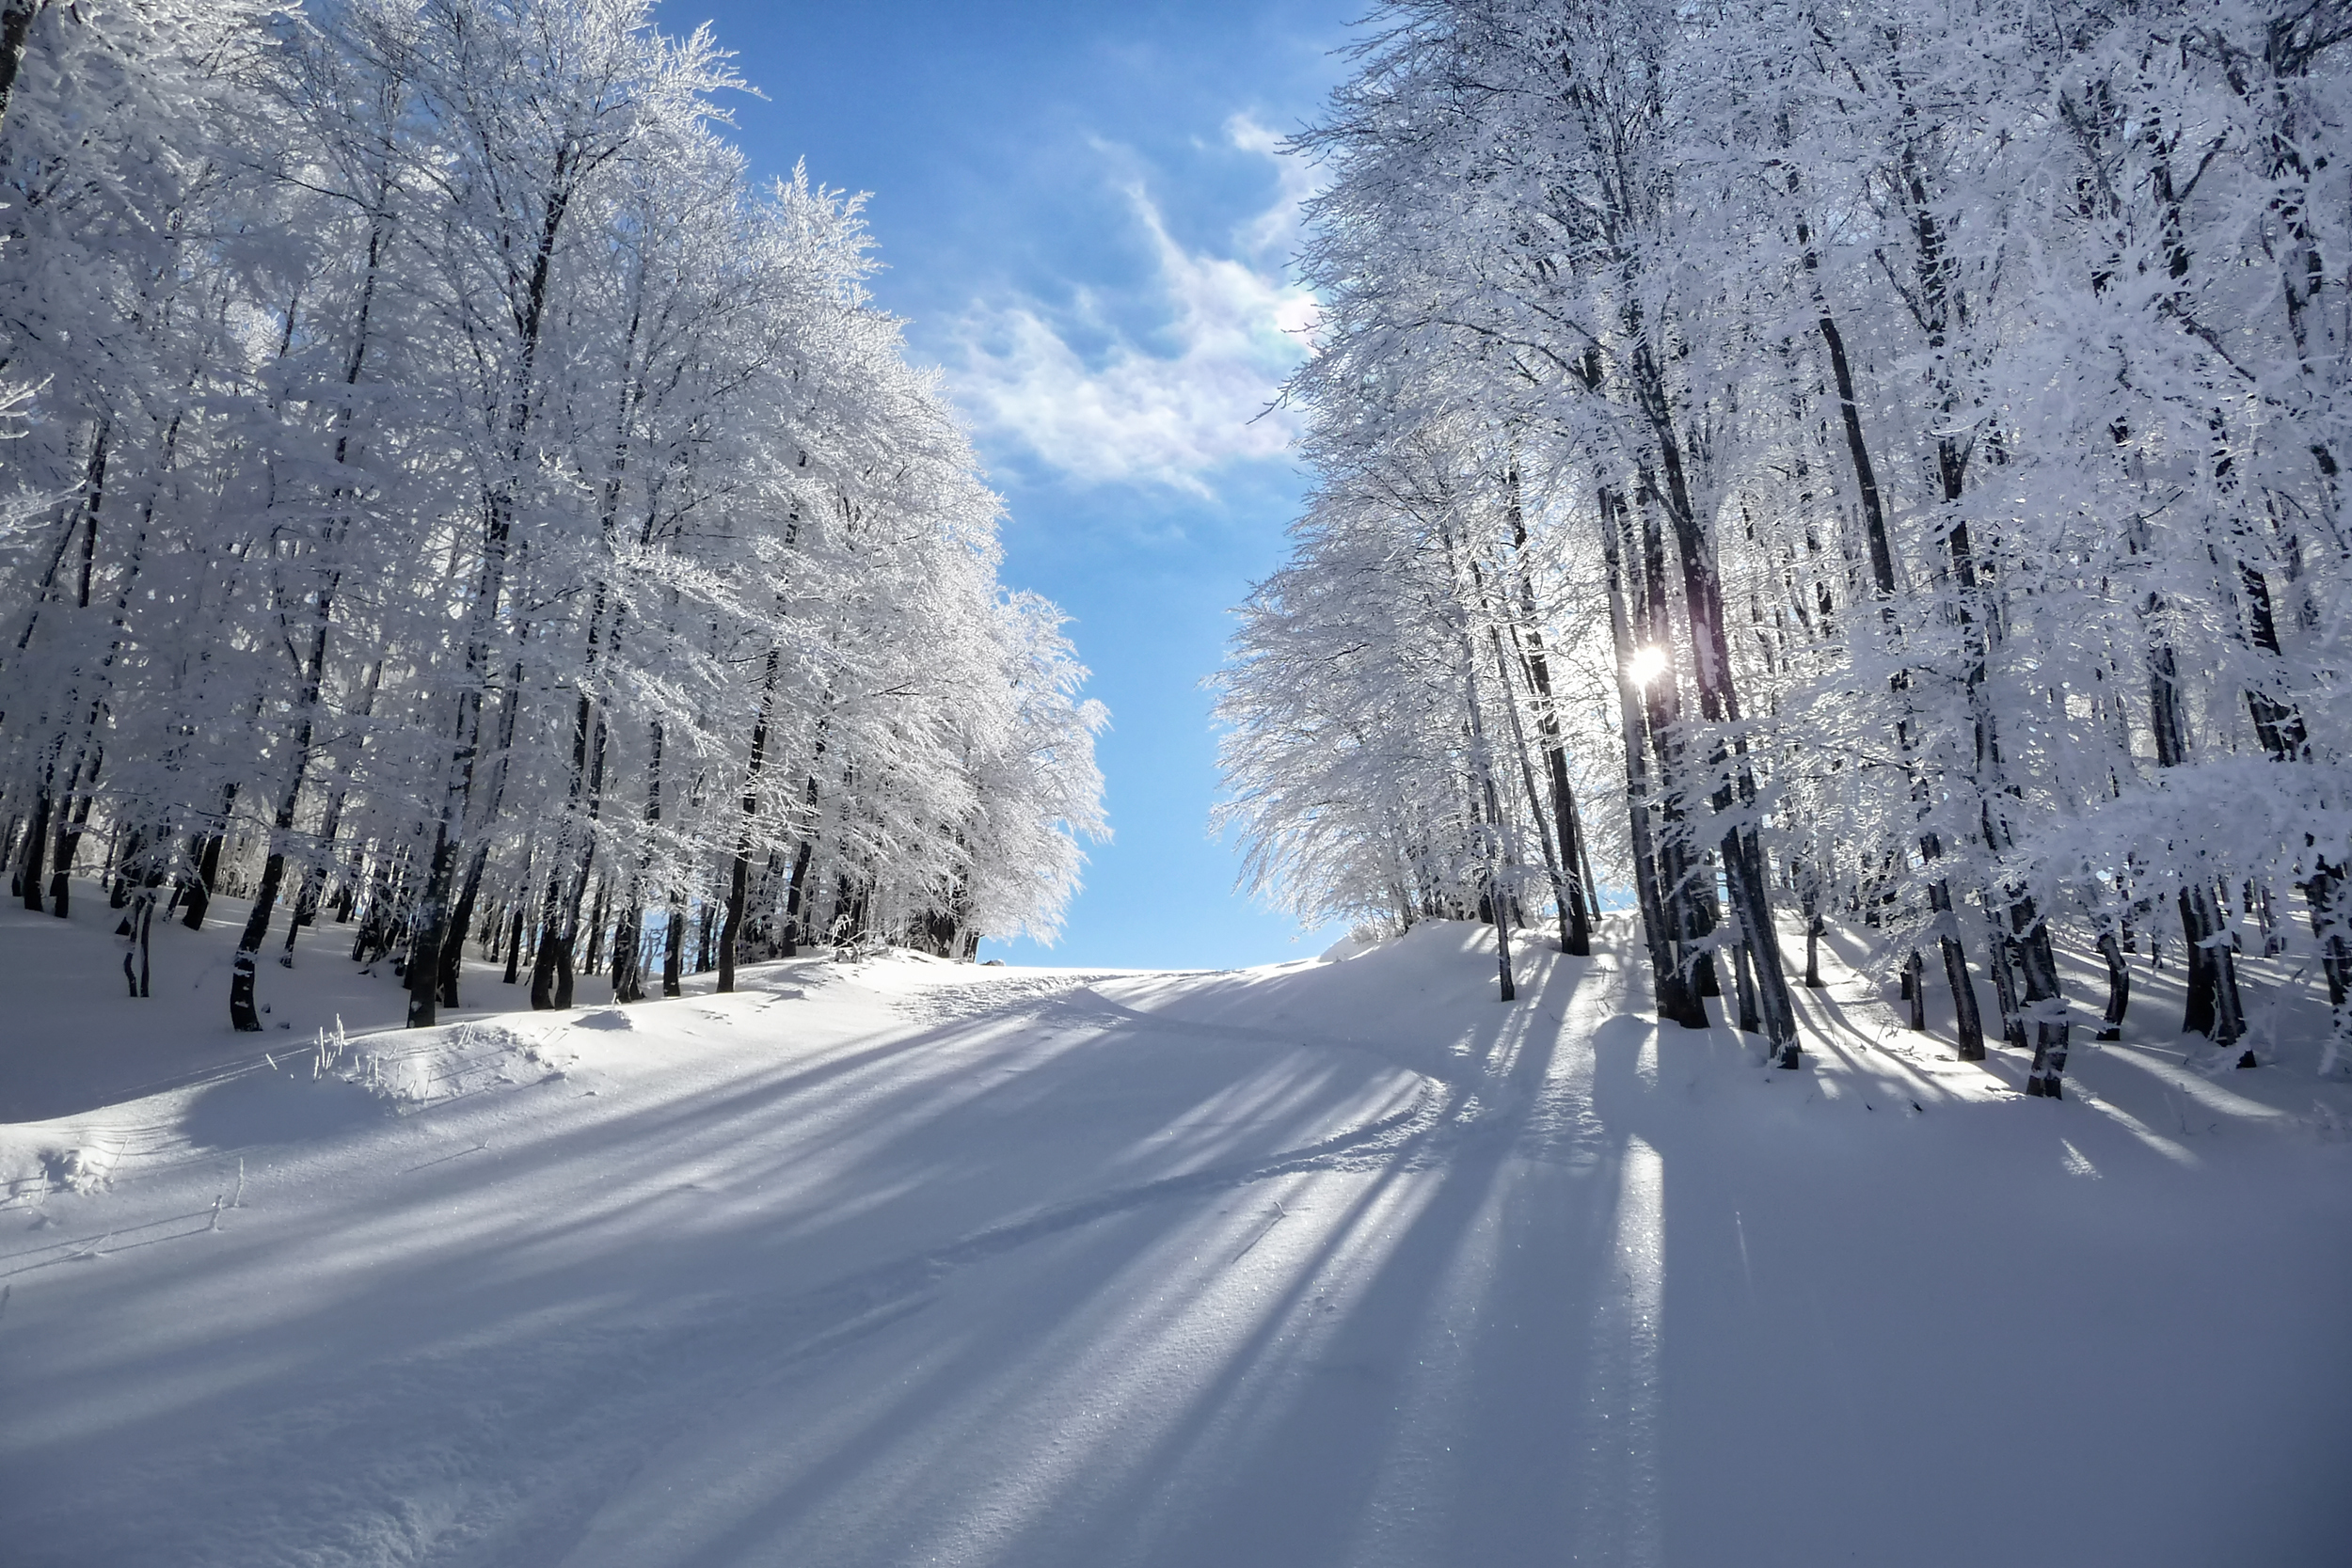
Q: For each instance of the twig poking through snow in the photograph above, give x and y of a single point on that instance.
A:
(1280, 1214)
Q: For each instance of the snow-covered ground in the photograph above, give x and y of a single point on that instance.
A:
(1332, 1263)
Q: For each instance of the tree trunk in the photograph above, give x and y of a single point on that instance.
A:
(36, 850)
(200, 887)
(1564, 898)
(243, 1014)
(2003, 966)
(2118, 986)
(489, 590)
(596, 928)
(143, 927)
(1502, 941)
(515, 944)
(1744, 871)
(673, 954)
(543, 967)
(1969, 1026)
(16, 23)
(2043, 995)
(2214, 1009)
(739, 873)
(1675, 998)
(793, 935)
(72, 818)
(1577, 938)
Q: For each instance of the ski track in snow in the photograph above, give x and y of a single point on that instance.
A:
(1323, 1264)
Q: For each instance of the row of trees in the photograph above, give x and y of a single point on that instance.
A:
(1892, 451)
(444, 488)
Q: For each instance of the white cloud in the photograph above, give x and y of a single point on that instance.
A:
(1167, 412)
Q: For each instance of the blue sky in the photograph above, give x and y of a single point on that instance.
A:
(1084, 222)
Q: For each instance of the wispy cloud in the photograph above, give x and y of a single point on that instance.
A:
(1189, 398)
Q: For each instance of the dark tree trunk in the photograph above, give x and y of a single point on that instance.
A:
(197, 895)
(738, 887)
(430, 919)
(1968, 1026)
(674, 954)
(1502, 947)
(1744, 871)
(629, 941)
(739, 875)
(434, 907)
(119, 888)
(515, 944)
(451, 956)
(143, 931)
(1576, 938)
(2214, 1009)
(305, 912)
(543, 967)
(16, 23)
(198, 889)
(2003, 966)
(35, 851)
(2323, 894)
(2118, 986)
(629, 955)
(1967, 1023)
(72, 818)
(2038, 964)
(243, 1014)
(793, 935)
(563, 975)
(1675, 998)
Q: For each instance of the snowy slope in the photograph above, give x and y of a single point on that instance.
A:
(1332, 1262)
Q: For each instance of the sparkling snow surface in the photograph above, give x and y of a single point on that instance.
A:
(1333, 1262)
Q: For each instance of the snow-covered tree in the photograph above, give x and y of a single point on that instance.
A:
(1924, 423)
(454, 494)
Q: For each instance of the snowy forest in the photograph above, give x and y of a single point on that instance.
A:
(445, 497)
(1801, 716)
(1875, 464)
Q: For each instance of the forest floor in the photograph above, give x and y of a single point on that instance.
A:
(1330, 1263)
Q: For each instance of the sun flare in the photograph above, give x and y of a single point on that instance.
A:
(1647, 664)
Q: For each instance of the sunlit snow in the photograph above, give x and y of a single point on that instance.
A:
(1339, 1261)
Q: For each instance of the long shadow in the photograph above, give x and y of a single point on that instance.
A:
(693, 1129)
(1442, 1347)
(664, 1133)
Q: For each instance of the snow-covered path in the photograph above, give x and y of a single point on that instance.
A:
(1333, 1263)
